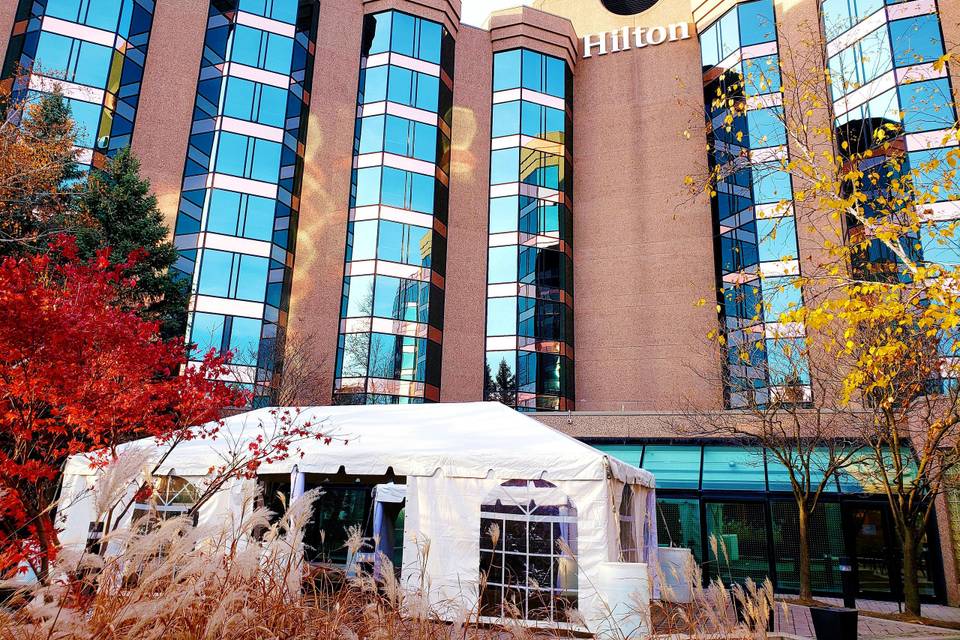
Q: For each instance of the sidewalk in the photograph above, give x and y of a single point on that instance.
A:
(933, 611)
(799, 625)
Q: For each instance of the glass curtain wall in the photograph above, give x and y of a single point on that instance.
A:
(391, 313)
(94, 51)
(753, 210)
(529, 327)
(881, 56)
(236, 224)
(740, 496)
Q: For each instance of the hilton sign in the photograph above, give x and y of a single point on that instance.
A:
(625, 38)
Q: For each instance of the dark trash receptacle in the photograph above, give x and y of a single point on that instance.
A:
(834, 623)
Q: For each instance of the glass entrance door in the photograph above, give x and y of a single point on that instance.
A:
(868, 531)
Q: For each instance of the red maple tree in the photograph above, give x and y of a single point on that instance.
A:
(79, 372)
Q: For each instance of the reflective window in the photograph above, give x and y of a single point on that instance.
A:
(248, 157)
(245, 340)
(101, 14)
(506, 70)
(770, 184)
(402, 299)
(86, 120)
(504, 166)
(414, 89)
(373, 84)
(367, 186)
(506, 119)
(776, 239)
(412, 139)
(206, 332)
(858, 64)
(380, 28)
(543, 380)
(404, 243)
(362, 240)
(762, 75)
(781, 295)
(233, 275)
(936, 174)
(282, 10)
(255, 102)
(941, 244)
(787, 362)
(629, 453)
(273, 99)
(916, 40)
(414, 37)
(503, 214)
(502, 264)
(734, 468)
(766, 128)
(380, 355)
(927, 106)
(242, 215)
(757, 23)
(675, 467)
(841, 15)
(778, 477)
(544, 74)
(501, 316)
(256, 48)
(73, 60)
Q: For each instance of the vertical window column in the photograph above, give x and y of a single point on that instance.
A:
(241, 186)
(529, 327)
(886, 86)
(391, 314)
(753, 209)
(95, 53)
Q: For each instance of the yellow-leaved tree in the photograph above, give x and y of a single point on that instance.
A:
(836, 202)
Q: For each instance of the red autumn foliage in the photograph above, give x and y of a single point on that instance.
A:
(81, 373)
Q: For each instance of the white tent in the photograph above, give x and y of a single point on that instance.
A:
(462, 464)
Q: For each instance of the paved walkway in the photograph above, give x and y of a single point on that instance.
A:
(933, 611)
(798, 624)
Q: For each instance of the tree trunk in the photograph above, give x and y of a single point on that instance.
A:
(803, 522)
(911, 568)
(43, 539)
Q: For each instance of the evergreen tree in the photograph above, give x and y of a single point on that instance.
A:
(489, 388)
(50, 122)
(506, 383)
(502, 388)
(126, 219)
(38, 170)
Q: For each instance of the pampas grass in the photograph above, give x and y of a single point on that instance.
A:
(241, 578)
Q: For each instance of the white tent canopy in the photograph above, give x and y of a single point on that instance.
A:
(463, 465)
(469, 440)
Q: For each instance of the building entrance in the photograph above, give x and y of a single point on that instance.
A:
(872, 544)
(732, 507)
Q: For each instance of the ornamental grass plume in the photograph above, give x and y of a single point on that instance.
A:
(243, 578)
(232, 579)
(715, 610)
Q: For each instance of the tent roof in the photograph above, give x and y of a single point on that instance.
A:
(474, 440)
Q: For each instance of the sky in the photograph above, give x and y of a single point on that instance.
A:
(476, 11)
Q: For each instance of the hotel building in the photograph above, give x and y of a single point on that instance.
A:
(445, 213)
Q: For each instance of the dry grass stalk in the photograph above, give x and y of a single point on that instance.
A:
(242, 579)
(713, 609)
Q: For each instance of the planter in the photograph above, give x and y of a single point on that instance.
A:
(834, 623)
(676, 568)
